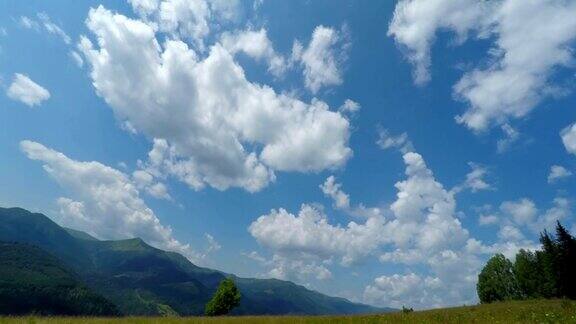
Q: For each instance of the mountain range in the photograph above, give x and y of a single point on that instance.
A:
(128, 277)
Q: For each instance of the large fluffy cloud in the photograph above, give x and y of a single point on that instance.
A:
(25, 90)
(531, 38)
(422, 228)
(420, 231)
(309, 233)
(105, 202)
(215, 126)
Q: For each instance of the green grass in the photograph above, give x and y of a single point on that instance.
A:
(533, 311)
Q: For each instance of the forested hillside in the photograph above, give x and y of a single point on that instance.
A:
(32, 281)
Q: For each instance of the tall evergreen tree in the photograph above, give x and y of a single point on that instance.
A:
(548, 263)
(566, 262)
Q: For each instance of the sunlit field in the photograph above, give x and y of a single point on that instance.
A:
(535, 311)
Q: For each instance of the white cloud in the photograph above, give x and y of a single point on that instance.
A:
(52, 28)
(77, 58)
(487, 219)
(323, 58)
(257, 45)
(105, 203)
(144, 7)
(511, 136)
(558, 172)
(29, 23)
(401, 142)
(310, 234)
(415, 23)
(561, 209)
(349, 106)
(522, 211)
(451, 282)
(568, 135)
(47, 24)
(399, 290)
(27, 91)
(531, 39)
(187, 19)
(422, 229)
(332, 189)
(510, 233)
(204, 112)
(298, 270)
(226, 10)
(425, 213)
(475, 179)
(213, 245)
(146, 182)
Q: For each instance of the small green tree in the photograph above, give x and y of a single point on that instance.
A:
(496, 281)
(224, 300)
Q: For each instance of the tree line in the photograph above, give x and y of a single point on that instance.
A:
(546, 273)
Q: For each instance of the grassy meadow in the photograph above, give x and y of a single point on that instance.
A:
(533, 311)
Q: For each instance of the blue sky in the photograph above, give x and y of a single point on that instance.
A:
(380, 151)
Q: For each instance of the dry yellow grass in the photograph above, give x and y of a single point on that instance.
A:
(534, 311)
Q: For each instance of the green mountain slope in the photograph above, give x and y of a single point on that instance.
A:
(142, 280)
(33, 281)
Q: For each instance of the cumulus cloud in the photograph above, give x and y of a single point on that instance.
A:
(425, 212)
(531, 39)
(400, 290)
(25, 90)
(309, 233)
(323, 58)
(421, 228)
(105, 203)
(524, 213)
(558, 172)
(568, 135)
(212, 126)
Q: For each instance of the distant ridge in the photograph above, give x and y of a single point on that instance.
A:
(142, 280)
